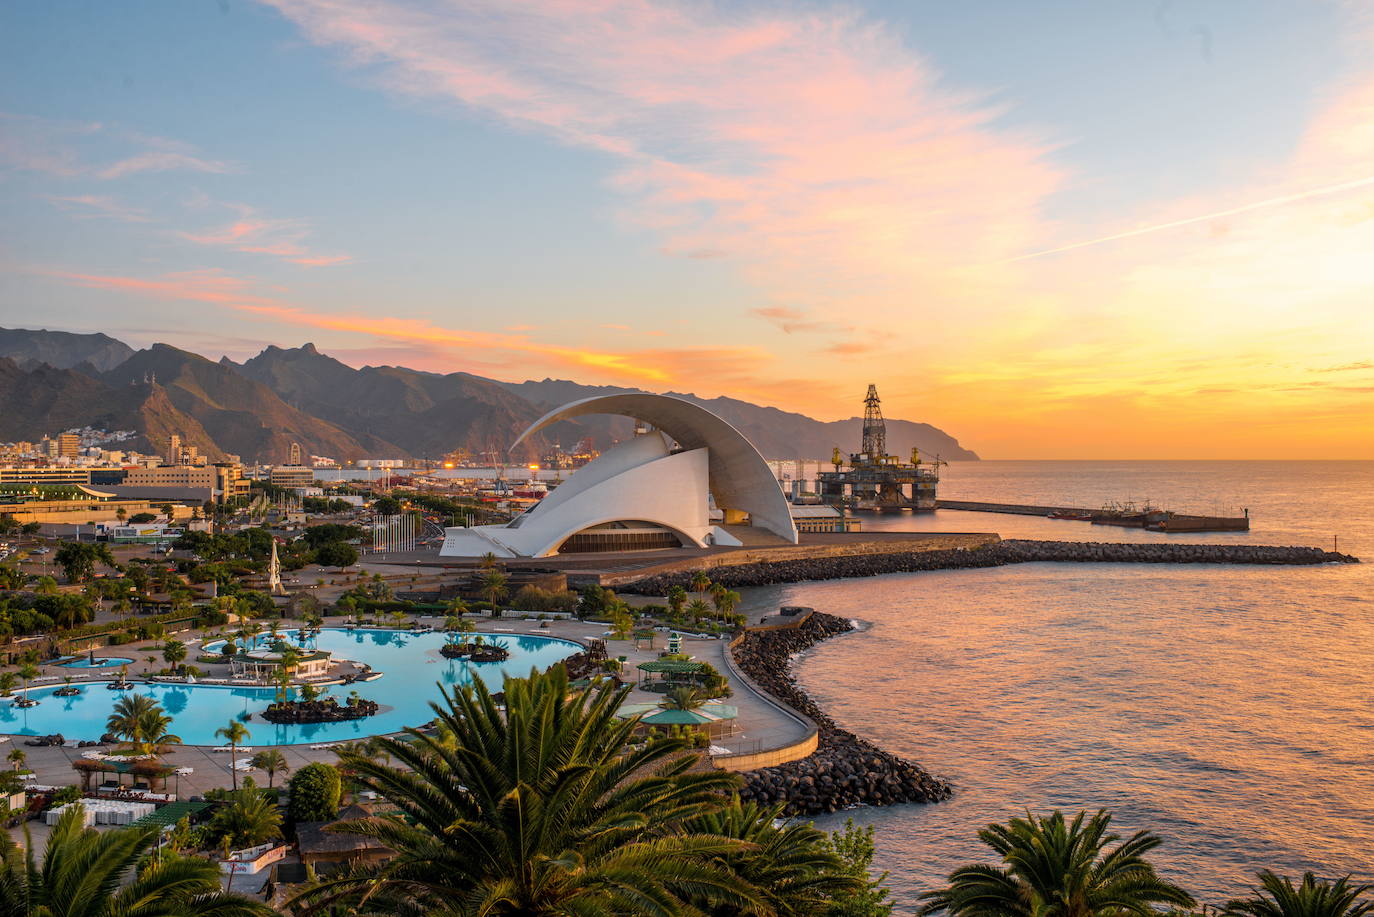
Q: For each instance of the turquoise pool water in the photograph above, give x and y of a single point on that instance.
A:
(410, 662)
(101, 662)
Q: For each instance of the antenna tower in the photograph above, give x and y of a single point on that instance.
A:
(875, 431)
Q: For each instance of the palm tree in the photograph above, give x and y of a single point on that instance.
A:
(683, 697)
(249, 819)
(28, 672)
(234, 734)
(140, 721)
(543, 809)
(1058, 869)
(451, 625)
(457, 606)
(173, 653)
(493, 586)
(697, 609)
(153, 725)
(792, 864)
(1277, 897)
(7, 680)
(700, 581)
(89, 873)
(677, 597)
(17, 758)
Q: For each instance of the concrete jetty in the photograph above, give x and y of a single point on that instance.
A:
(990, 554)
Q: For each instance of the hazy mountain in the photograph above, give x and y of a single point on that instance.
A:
(426, 414)
(62, 349)
(48, 400)
(240, 415)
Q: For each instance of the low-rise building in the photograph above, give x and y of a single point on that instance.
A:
(292, 476)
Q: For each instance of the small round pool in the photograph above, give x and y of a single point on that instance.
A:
(100, 662)
(412, 670)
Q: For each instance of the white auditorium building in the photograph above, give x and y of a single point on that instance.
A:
(653, 491)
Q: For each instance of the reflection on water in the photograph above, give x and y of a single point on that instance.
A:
(1226, 708)
(410, 662)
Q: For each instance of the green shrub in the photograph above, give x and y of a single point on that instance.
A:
(315, 792)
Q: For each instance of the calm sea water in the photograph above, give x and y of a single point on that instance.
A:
(1228, 709)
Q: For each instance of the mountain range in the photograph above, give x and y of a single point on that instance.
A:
(52, 381)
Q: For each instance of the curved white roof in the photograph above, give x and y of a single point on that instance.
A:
(739, 478)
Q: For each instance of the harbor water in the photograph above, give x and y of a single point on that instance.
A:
(1228, 709)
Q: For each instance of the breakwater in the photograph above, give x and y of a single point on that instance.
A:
(844, 770)
(1010, 551)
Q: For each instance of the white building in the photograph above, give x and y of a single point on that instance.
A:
(653, 491)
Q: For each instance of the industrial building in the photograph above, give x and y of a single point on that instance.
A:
(875, 480)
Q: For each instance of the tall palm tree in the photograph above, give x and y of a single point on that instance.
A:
(493, 586)
(28, 672)
(17, 758)
(700, 581)
(89, 873)
(234, 734)
(1054, 868)
(272, 761)
(542, 809)
(1277, 897)
(126, 719)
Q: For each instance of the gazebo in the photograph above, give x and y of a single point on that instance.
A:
(715, 719)
(265, 663)
(681, 671)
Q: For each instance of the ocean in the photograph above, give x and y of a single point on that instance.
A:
(1228, 709)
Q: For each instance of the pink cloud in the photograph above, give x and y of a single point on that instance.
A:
(813, 146)
(255, 234)
(160, 161)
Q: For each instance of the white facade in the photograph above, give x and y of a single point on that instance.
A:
(643, 491)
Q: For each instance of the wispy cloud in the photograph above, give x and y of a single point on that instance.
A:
(98, 206)
(812, 146)
(1347, 367)
(791, 319)
(254, 233)
(83, 149)
(649, 367)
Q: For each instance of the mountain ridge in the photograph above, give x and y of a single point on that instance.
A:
(257, 408)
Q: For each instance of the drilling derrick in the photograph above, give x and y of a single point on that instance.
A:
(875, 480)
(875, 431)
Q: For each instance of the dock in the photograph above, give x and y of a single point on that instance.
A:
(1156, 520)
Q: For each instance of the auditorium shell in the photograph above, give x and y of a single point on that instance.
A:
(652, 491)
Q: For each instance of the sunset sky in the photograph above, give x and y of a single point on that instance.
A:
(1091, 229)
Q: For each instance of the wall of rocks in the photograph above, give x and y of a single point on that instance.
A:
(845, 770)
(1011, 551)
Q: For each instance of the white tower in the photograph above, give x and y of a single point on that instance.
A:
(274, 573)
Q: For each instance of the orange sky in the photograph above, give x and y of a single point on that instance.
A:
(786, 204)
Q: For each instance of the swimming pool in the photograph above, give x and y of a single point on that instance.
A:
(410, 662)
(101, 662)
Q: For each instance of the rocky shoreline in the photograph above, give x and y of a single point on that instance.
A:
(844, 770)
(1010, 551)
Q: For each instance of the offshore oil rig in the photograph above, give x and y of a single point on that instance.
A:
(875, 480)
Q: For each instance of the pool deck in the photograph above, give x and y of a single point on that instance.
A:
(761, 724)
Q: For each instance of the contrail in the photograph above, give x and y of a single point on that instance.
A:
(1271, 202)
